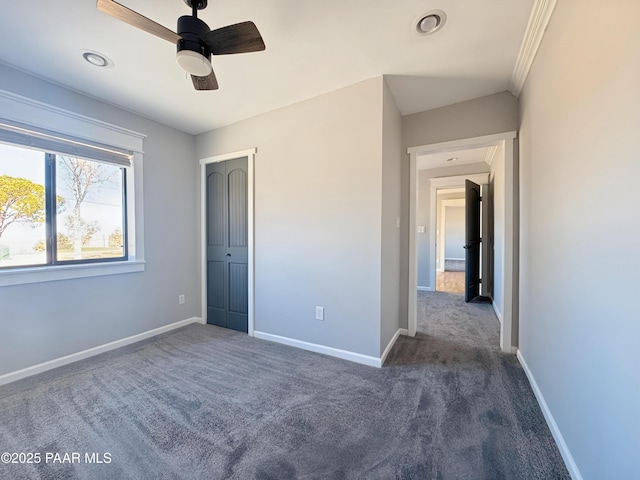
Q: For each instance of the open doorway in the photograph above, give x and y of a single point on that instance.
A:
(450, 240)
(498, 180)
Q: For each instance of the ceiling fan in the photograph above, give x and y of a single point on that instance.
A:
(194, 40)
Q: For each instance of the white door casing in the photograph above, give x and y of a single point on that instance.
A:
(250, 154)
(510, 269)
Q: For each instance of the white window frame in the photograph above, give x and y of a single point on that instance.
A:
(40, 115)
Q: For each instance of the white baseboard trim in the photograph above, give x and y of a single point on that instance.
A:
(498, 314)
(404, 331)
(425, 289)
(314, 347)
(74, 357)
(553, 426)
(392, 342)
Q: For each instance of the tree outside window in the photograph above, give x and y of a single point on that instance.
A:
(89, 217)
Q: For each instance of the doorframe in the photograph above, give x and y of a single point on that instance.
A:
(441, 236)
(250, 155)
(444, 183)
(511, 223)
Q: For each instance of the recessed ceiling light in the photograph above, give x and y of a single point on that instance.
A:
(429, 22)
(97, 59)
(452, 159)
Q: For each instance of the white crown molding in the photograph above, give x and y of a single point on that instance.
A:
(491, 153)
(457, 181)
(538, 22)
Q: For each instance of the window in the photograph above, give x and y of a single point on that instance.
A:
(59, 209)
(45, 237)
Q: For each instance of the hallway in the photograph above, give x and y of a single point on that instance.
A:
(484, 420)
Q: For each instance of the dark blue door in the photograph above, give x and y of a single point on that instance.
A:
(227, 221)
(472, 241)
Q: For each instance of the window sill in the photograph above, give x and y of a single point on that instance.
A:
(25, 275)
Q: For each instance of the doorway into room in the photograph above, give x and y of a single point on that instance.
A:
(501, 181)
(450, 241)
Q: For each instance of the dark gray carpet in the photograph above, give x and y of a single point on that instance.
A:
(204, 402)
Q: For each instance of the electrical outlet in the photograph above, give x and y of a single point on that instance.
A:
(319, 313)
(181, 299)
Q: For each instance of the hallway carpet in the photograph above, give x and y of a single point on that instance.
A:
(205, 402)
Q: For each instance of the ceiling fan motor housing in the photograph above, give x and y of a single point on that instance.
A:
(199, 4)
(190, 28)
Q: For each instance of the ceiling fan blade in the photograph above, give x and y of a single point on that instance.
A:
(127, 15)
(239, 38)
(205, 83)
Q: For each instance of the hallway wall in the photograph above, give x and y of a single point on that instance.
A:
(580, 144)
(497, 185)
(487, 115)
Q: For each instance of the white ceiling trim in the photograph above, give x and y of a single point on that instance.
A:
(458, 180)
(463, 144)
(538, 22)
(491, 153)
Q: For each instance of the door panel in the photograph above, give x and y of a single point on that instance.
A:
(237, 288)
(472, 240)
(227, 253)
(238, 208)
(215, 294)
(215, 208)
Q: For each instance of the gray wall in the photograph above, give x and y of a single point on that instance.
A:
(579, 158)
(497, 185)
(481, 116)
(424, 211)
(454, 230)
(44, 321)
(391, 203)
(318, 198)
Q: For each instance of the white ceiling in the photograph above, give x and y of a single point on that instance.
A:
(313, 47)
(462, 157)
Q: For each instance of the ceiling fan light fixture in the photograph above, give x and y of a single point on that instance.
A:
(194, 40)
(194, 63)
